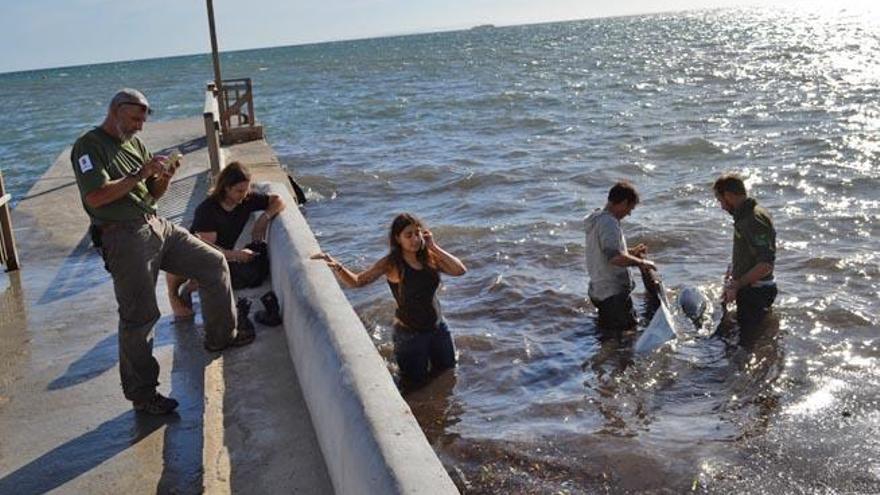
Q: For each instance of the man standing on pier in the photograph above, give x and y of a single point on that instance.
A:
(608, 260)
(119, 182)
(749, 280)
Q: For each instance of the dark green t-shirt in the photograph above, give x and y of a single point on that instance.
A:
(98, 158)
(754, 238)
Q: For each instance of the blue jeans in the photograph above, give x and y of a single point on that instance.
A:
(420, 355)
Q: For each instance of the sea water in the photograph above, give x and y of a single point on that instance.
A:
(502, 139)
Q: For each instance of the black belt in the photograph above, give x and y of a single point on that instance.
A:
(105, 227)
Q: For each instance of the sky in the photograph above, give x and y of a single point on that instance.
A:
(58, 33)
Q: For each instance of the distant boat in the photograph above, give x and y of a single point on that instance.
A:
(483, 27)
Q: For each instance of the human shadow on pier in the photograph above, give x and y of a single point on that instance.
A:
(183, 436)
(47, 191)
(186, 148)
(83, 268)
(80, 455)
(100, 358)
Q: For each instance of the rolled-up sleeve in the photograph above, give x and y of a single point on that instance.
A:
(762, 239)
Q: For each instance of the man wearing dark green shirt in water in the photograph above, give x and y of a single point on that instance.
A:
(749, 280)
(119, 182)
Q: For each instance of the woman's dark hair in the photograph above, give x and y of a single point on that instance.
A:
(729, 183)
(395, 254)
(232, 174)
(623, 191)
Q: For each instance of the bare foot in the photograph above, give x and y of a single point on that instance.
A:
(181, 310)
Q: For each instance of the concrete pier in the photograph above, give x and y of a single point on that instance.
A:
(242, 425)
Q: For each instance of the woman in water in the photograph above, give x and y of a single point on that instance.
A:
(422, 344)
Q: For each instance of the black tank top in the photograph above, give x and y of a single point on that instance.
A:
(419, 308)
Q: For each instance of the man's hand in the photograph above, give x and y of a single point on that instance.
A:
(169, 169)
(153, 167)
(729, 293)
(242, 256)
(639, 250)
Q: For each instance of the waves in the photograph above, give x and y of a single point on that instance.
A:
(690, 148)
(502, 141)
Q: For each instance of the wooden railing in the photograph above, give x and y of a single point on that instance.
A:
(237, 120)
(8, 253)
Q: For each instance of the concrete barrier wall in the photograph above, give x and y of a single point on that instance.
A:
(371, 442)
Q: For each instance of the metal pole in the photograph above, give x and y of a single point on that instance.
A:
(218, 80)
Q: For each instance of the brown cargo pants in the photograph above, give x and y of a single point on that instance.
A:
(135, 251)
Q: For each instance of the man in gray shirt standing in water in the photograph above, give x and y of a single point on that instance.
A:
(608, 260)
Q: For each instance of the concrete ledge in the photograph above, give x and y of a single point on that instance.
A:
(371, 442)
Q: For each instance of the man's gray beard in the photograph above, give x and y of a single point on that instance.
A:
(123, 135)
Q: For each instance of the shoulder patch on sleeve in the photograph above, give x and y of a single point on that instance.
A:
(762, 239)
(85, 163)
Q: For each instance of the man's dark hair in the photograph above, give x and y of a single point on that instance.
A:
(623, 191)
(729, 183)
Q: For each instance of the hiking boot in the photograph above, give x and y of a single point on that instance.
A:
(156, 406)
(243, 307)
(271, 316)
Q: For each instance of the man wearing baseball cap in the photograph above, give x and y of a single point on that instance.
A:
(119, 182)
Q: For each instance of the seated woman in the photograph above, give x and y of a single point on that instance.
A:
(422, 344)
(219, 220)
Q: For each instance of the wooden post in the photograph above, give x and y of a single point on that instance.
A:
(9, 253)
(215, 54)
(212, 130)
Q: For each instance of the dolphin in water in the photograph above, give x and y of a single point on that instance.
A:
(662, 329)
(693, 303)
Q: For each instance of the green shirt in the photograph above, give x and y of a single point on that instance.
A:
(754, 238)
(97, 158)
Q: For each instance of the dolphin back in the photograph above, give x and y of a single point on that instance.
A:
(693, 303)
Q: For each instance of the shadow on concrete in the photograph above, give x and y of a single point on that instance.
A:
(82, 269)
(47, 191)
(183, 440)
(182, 471)
(186, 147)
(100, 358)
(80, 455)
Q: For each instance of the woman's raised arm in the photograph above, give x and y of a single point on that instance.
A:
(350, 278)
